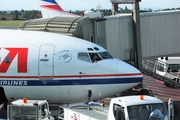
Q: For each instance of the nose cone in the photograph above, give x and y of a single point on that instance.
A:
(130, 71)
(124, 67)
(129, 76)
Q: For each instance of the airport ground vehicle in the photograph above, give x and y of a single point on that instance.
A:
(24, 109)
(169, 67)
(137, 107)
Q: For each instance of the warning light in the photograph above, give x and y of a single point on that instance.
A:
(8, 103)
(24, 100)
(82, 13)
(35, 104)
(142, 97)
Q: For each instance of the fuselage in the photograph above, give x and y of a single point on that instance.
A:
(59, 68)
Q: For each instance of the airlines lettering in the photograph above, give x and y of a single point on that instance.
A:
(21, 53)
(15, 83)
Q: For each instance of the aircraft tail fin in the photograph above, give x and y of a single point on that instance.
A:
(50, 8)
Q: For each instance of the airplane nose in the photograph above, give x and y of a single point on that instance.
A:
(124, 67)
(129, 76)
(130, 71)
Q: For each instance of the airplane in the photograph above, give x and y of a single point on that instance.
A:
(59, 68)
(50, 8)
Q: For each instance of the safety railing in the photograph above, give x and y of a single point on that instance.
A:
(162, 71)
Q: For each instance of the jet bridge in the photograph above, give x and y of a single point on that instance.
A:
(72, 26)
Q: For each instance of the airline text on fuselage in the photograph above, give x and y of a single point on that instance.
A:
(14, 83)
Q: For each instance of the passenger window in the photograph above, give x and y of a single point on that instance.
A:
(7, 59)
(84, 57)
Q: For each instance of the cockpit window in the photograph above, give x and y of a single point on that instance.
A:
(105, 55)
(84, 57)
(90, 49)
(96, 48)
(94, 57)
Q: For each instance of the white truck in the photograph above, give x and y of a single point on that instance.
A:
(24, 109)
(137, 107)
(169, 67)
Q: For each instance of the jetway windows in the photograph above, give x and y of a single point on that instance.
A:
(84, 57)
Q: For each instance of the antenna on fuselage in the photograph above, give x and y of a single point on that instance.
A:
(89, 94)
(89, 97)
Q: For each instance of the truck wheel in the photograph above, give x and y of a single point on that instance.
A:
(166, 84)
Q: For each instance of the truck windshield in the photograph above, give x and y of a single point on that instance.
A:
(160, 67)
(147, 112)
(22, 113)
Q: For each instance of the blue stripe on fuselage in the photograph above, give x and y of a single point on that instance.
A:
(50, 1)
(69, 82)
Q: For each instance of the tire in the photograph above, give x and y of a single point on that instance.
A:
(144, 92)
(166, 84)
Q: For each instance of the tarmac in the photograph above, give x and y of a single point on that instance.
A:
(160, 90)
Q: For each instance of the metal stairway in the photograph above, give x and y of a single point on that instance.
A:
(150, 67)
(71, 26)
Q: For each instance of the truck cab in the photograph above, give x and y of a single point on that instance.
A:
(168, 67)
(24, 109)
(138, 108)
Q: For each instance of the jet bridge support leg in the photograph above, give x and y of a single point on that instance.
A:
(137, 35)
(114, 8)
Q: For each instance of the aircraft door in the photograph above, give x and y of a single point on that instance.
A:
(46, 62)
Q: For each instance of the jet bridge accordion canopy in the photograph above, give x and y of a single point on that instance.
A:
(72, 26)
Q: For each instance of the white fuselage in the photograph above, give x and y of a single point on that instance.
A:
(58, 68)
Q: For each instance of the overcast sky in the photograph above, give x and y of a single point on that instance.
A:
(84, 4)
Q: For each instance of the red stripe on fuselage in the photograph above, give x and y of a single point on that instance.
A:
(52, 7)
(77, 76)
(58, 9)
